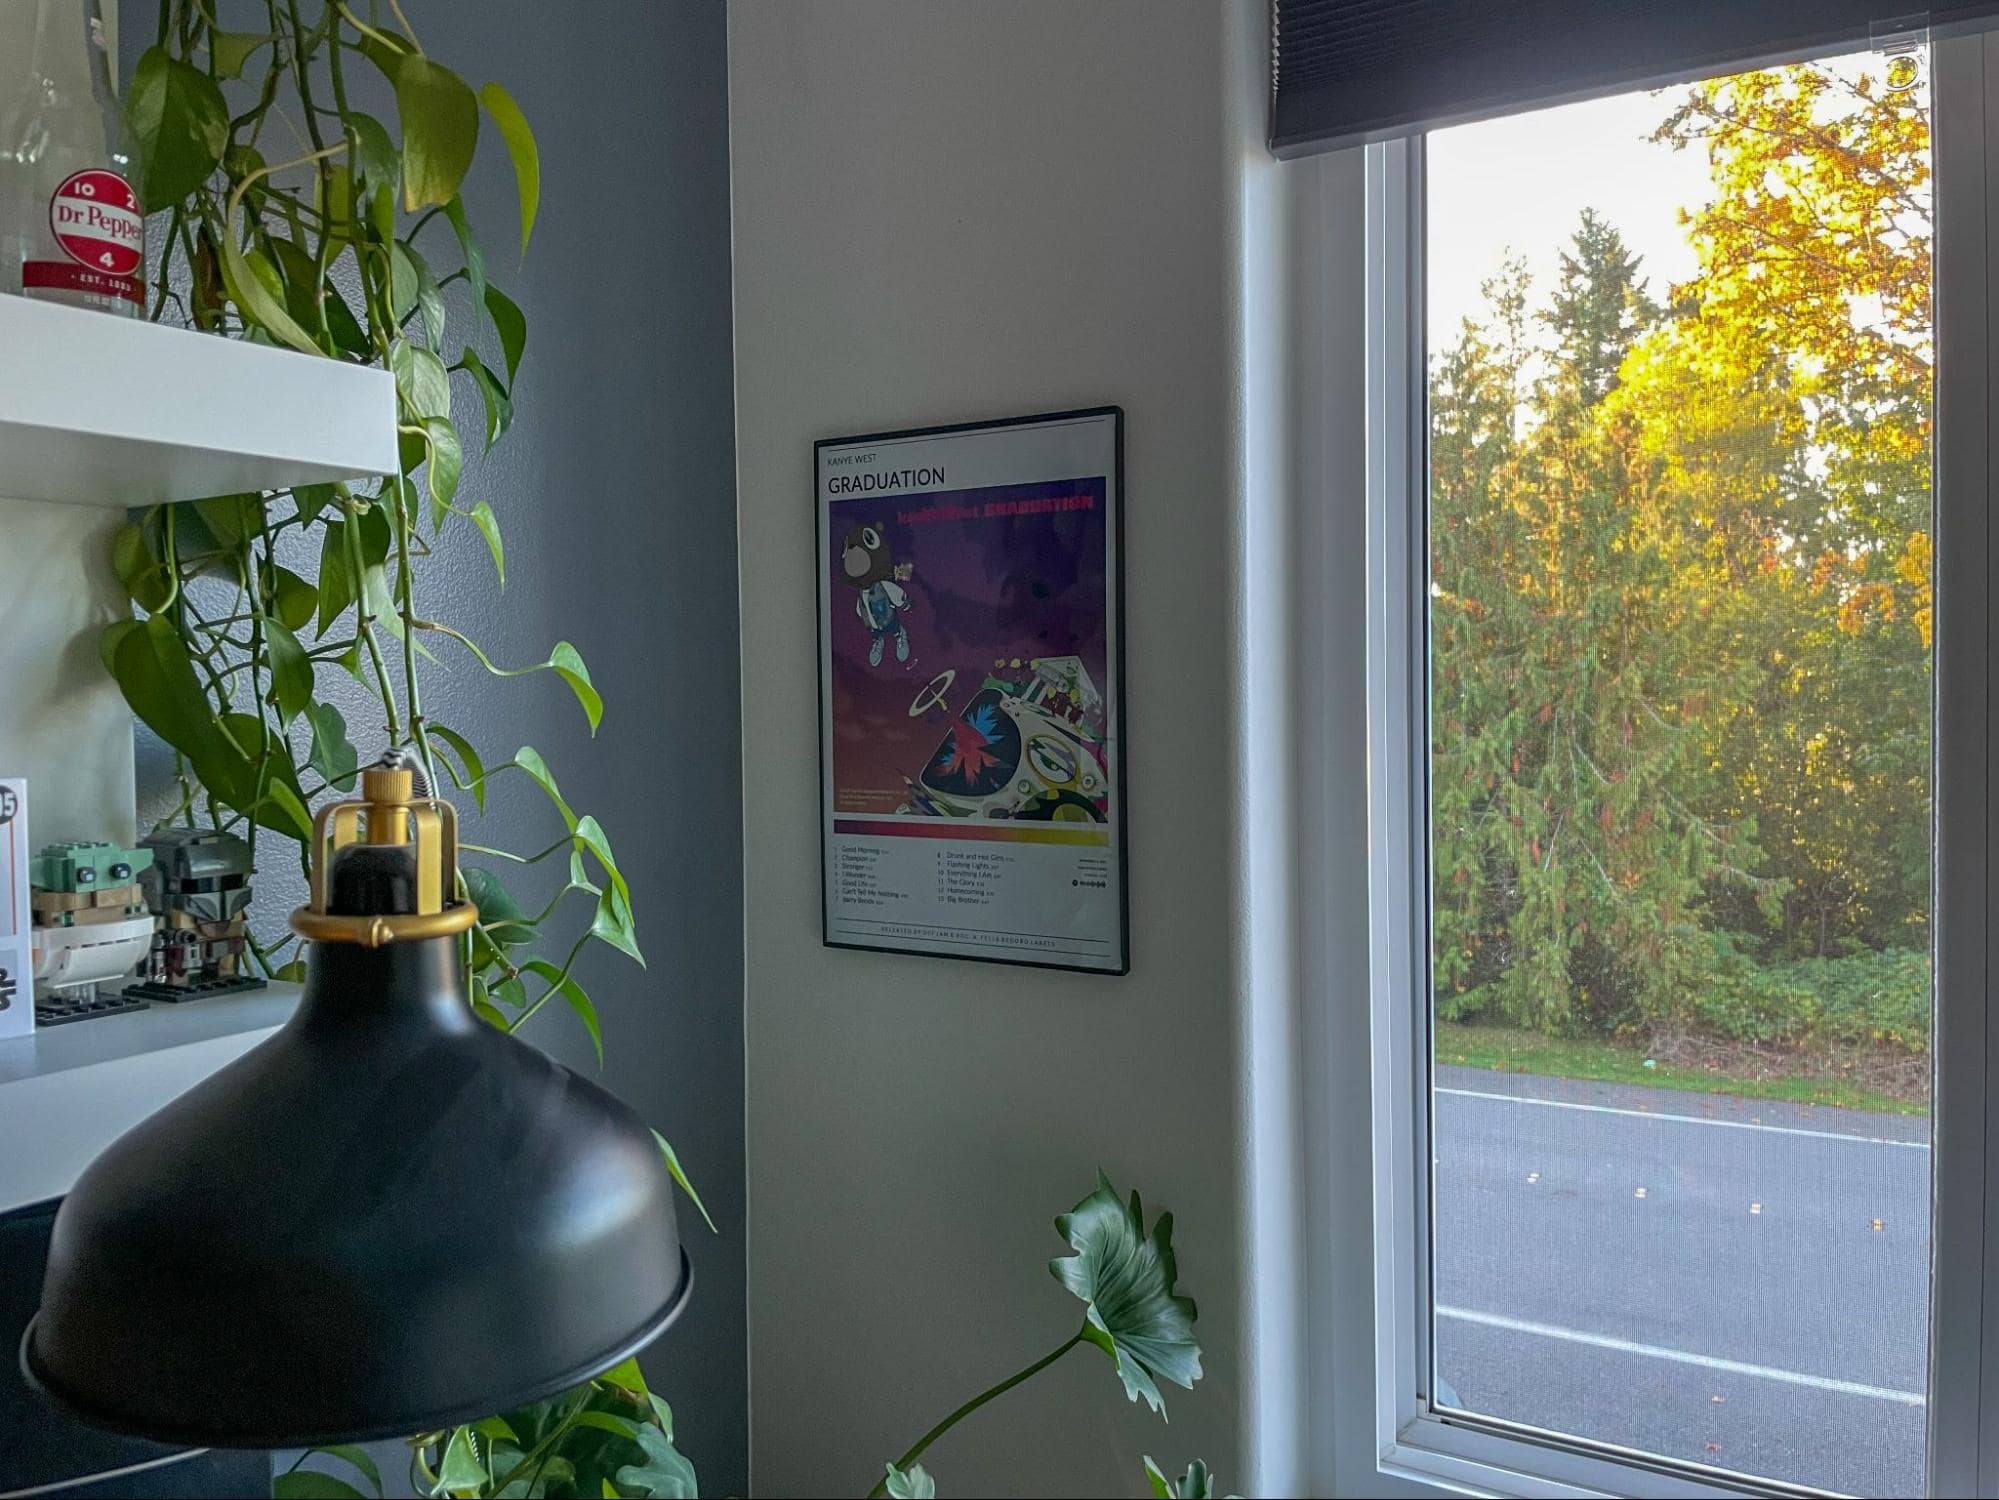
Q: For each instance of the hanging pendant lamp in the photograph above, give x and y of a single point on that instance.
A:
(388, 1218)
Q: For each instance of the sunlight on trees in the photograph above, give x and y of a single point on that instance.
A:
(1681, 599)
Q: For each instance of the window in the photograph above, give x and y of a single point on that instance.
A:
(1677, 524)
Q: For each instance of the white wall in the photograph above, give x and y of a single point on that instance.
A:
(944, 212)
(63, 724)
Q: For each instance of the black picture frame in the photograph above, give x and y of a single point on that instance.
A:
(1114, 707)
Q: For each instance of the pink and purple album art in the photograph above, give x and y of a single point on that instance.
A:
(969, 638)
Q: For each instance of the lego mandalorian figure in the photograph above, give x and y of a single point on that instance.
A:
(198, 885)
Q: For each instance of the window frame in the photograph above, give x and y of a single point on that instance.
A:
(1413, 1442)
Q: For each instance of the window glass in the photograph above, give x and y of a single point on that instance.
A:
(1680, 408)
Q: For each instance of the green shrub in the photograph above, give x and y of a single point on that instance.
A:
(1866, 999)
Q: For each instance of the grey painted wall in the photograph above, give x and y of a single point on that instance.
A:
(616, 493)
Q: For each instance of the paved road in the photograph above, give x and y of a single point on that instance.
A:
(1737, 1282)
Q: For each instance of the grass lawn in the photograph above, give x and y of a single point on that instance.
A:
(1501, 1049)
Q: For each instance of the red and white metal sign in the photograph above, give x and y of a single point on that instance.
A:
(95, 218)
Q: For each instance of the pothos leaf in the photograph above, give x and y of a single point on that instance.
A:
(295, 600)
(375, 154)
(512, 326)
(679, 1175)
(568, 663)
(421, 380)
(1124, 1274)
(444, 465)
(473, 778)
(574, 996)
(1196, 1484)
(499, 912)
(256, 301)
(291, 672)
(663, 1472)
(180, 126)
(147, 579)
(519, 138)
(333, 756)
(310, 1484)
(489, 528)
(468, 248)
(565, 661)
(499, 404)
(462, 1468)
(233, 50)
(358, 1458)
(440, 117)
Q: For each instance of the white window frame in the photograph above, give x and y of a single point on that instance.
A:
(1428, 1452)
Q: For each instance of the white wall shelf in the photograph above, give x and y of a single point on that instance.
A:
(110, 411)
(67, 1092)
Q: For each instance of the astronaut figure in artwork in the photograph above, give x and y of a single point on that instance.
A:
(867, 564)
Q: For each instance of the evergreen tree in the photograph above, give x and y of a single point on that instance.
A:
(1599, 307)
(1570, 849)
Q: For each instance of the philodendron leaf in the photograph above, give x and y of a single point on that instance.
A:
(913, 1483)
(440, 116)
(1196, 1484)
(180, 126)
(1125, 1275)
(521, 148)
(663, 1472)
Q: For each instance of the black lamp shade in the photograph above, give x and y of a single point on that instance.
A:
(386, 1219)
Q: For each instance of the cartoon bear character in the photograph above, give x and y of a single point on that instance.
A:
(866, 563)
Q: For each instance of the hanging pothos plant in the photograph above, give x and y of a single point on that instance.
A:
(286, 214)
(296, 218)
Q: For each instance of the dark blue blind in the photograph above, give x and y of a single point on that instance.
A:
(1347, 71)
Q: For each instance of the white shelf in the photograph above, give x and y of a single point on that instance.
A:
(101, 410)
(67, 1092)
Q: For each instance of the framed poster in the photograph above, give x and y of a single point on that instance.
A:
(971, 690)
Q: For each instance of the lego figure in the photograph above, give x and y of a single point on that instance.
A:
(89, 925)
(198, 886)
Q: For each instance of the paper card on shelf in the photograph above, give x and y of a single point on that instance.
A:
(17, 1007)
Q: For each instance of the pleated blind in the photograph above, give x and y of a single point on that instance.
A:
(1346, 71)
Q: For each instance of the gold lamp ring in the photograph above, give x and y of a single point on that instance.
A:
(381, 930)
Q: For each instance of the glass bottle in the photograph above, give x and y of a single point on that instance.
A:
(72, 228)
